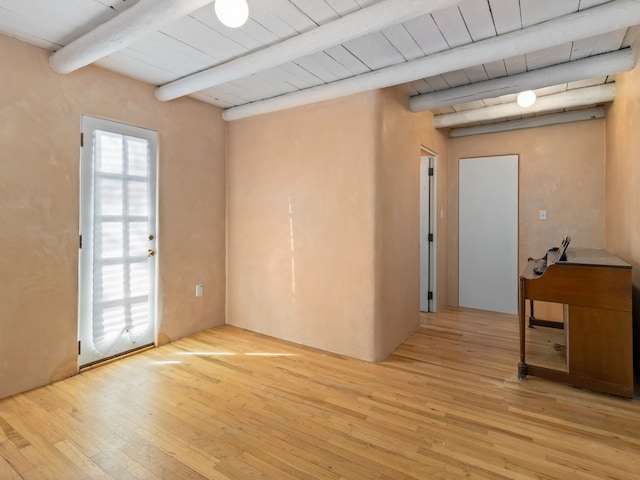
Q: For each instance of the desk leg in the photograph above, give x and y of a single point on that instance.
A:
(532, 317)
(522, 366)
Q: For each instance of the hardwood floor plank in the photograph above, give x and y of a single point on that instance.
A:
(14, 458)
(230, 404)
(8, 433)
(50, 462)
(115, 469)
(293, 459)
(81, 460)
(7, 472)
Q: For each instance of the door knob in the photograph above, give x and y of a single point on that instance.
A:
(151, 253)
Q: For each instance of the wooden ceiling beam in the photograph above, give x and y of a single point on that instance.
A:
(361, 22)
(579, 97)
(584, 24)
(136, 22)
(596, 66)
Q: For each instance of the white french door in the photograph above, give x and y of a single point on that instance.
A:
(118, 239)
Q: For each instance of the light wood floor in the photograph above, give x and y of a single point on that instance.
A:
(229, 404)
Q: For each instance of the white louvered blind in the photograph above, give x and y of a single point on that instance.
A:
(121, 217)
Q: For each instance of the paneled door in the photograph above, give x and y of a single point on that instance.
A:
(117, 307)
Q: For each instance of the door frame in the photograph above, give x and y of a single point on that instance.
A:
(428, 225)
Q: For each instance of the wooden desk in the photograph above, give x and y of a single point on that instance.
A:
(595, 288)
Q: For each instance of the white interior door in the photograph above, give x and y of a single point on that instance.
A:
(427, 233)
(488, 230)
(118, 239)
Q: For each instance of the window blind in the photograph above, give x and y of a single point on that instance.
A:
(120, 231)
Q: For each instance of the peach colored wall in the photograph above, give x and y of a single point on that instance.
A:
(398, 219)
(323, 224)
(622, 226)
(40, 115)
(622, 232)
(561, 170)
(300, 224)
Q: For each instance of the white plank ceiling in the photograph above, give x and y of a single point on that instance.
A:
(199, 41)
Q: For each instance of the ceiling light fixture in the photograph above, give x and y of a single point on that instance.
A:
(527, 98)
(232, 13)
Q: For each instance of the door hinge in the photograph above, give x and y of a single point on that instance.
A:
(80, 242)
(430, 237)
(431, 171)
(79, 347)
(429, 295)
(82, 139)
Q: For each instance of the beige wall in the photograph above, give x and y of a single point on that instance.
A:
(301, 222)
(622, 233)
(39, 205)
(323, 223)
(622, 225)
(561, 170)
(402, 134)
